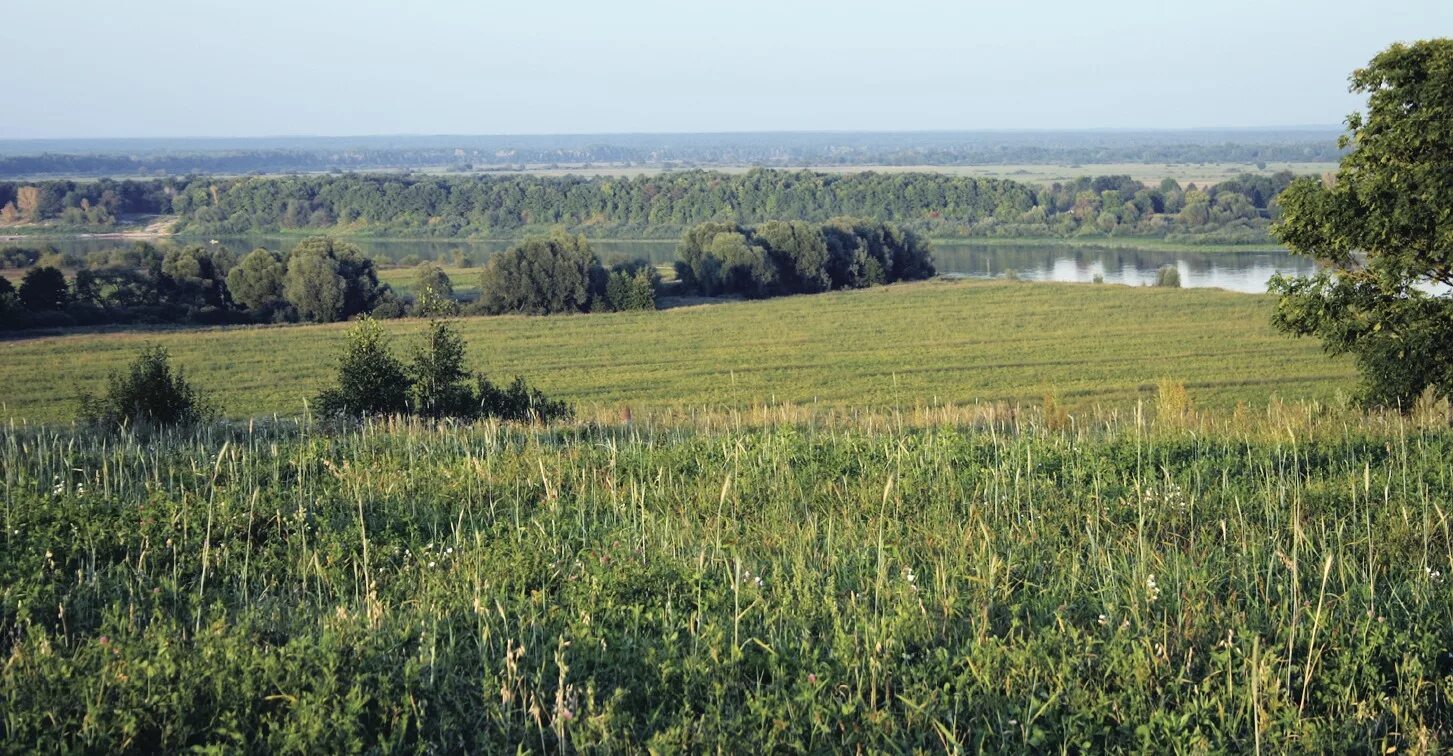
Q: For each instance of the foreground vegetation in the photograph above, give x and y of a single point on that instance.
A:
(902, 345)
(1277, 583)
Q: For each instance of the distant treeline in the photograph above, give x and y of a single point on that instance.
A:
(324, 280)
(180, 157)
(664, 205)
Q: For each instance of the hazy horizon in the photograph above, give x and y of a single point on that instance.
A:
(169, 69)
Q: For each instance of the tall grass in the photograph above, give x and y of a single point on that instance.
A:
(878, 581)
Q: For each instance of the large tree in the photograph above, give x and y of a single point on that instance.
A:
(43, 288)
(541, 276)
(1382, 227)
(330, 280)
(257, 281)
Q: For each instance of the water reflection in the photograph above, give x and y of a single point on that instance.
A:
(1236, 271)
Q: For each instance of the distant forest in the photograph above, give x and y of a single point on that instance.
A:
(659, 206)
(137, 157)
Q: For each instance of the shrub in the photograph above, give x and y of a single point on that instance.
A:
(371, 381)
(148, 394)
(1168, 276)
(519, 402)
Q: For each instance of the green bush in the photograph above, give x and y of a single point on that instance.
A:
(1168, 276)
(148, 394)
(434, 383)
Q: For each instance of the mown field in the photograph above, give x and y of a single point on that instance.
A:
(1125, 587)
(898, 346)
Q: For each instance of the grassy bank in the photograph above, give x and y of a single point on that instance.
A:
(1121, 587)
(897, 346)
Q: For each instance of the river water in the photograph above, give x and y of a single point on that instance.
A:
(1235, 271)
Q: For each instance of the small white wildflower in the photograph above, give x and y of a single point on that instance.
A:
(1104, 620)
(431, 564)
(1152, 591)
(759, 581)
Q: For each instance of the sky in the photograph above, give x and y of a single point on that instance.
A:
(159, 68)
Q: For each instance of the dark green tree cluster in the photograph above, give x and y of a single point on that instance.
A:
(320, 280)
(84, 203)
(560, 273)
(631, 285)
(666, 204)
(794, 257)
(1383, 231)
(434, 382)
(1236, 210)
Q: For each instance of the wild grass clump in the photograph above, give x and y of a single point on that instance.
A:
(415, 586)
(1168, 276)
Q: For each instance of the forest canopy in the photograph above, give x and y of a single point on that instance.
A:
(661, 206)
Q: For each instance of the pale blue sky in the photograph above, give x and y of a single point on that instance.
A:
(96, 68)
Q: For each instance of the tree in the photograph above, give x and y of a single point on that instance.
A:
(9, 300)
(437, 374)
(434, 292)
(257, 281)
(432, 278)
(800, 253)
(1382, 229)
(43, 288)
(148, 394)
(314, 286)
(371, 381)
(541, 276)
(329, 280)
(196, 277)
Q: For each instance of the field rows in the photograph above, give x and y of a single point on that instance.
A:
(936, 342)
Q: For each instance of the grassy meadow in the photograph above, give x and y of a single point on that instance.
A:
(1118, 586)
(899, 346)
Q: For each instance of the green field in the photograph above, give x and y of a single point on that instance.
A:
(401, 279)
(897, 346)
(1122, 588)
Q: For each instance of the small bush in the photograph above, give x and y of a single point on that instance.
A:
(148, 394)
(1168, 276)
(520, 402)
(371, 381)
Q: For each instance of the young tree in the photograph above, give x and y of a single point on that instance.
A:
(433, 291)
(371, 381)
(148, 394)
(43, 288)
(430, 277)
(1382, 229)
(437, 374)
